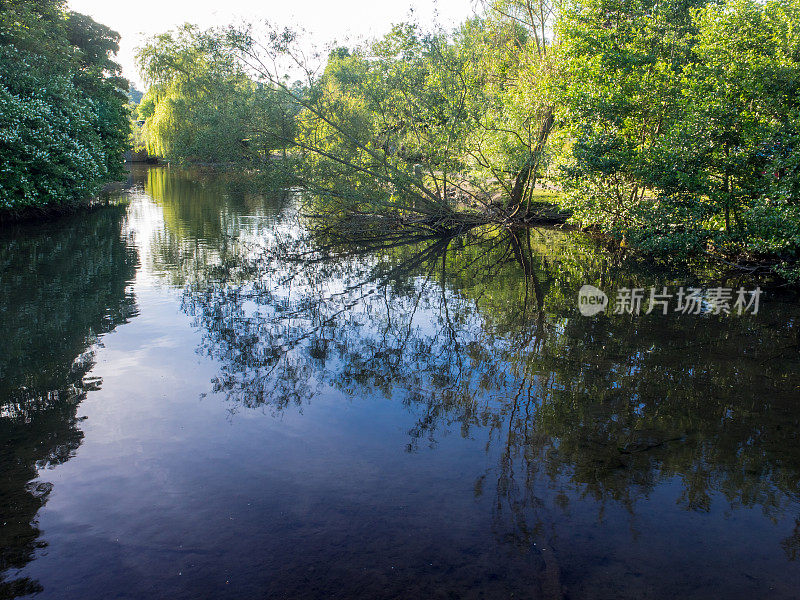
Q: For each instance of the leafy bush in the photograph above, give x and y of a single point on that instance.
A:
(63, 117)
(50, 149)
(684, 121)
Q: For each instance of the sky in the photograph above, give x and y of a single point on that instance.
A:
(325, 21)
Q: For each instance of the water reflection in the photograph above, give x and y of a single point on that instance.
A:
(479, 334)
(464, 431)
(202, 216)
(61, 287)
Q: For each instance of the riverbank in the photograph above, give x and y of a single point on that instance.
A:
(110, 195)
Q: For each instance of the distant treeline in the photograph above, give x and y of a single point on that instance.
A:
(64, 117)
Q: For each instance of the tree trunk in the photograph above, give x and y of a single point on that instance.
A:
(521, 180)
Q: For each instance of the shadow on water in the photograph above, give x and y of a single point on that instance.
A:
(62, 285)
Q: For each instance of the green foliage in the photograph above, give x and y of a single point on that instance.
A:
(202, 108)
(670, 125)
(744, 135)
(50, 149)
(512, 53)
(621, 62)
(388, 122)
(683, 122)
(421, 125)
(63, 116)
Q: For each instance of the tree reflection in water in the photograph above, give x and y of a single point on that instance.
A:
(479, 333)
(61, 286)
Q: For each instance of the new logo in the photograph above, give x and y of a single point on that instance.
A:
(591, 300)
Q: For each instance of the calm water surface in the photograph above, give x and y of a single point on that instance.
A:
(203, 397)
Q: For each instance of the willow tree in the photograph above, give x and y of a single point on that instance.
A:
(202, 107)
(196, 107)
(392, 119)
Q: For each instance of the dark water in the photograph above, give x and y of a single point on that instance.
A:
(203, 397)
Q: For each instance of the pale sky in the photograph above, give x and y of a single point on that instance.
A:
(339, 20)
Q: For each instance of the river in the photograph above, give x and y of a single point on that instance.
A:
(205, 395)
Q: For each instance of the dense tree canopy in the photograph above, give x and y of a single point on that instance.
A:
(63, 115)
(682, 118)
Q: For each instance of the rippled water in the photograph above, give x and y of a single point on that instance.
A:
(202, 395)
